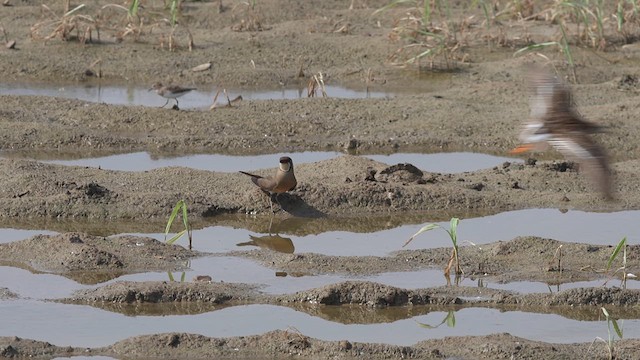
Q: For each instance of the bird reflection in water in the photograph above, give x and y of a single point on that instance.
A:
(273, 242)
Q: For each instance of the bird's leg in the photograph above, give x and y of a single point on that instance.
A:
(268, 195)
(165, 104)
(271, 203)
(270, 223)
(278, 201)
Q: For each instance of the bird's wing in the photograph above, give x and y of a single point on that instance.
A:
(293, 185)
(591, 157)
(266, 184)
(551, 104)
(250, 174)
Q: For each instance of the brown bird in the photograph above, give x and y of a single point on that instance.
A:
(283, 181)
(553, 121)
(170, 92)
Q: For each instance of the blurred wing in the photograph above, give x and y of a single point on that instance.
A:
(592, 159)
(547, 93)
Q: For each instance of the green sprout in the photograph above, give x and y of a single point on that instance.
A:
(133, 8)
(453, 235)
(610, 342)
(174, 12)
(622, 245)
(183, 276)
(187, 229)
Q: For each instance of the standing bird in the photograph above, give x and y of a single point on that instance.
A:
(283, 181)
(554, 122)
(170, 92)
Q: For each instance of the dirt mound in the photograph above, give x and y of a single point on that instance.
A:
(84, 257)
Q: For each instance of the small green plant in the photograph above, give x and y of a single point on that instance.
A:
(174, 12)
(180, 205)
(622, 245)
(133, 8)
(610, 342)
(453, 235)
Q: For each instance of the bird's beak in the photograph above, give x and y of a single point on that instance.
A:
(521, 148)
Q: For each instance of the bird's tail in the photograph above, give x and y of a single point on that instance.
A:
(252, 175)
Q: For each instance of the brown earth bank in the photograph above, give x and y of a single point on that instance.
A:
(282, 44)
(88, 258)
(347, 185)
(288, 344)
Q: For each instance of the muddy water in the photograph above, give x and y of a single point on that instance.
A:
(572, 226)
(456, 162)
(88, 326)
(33, 317)
(201, 98)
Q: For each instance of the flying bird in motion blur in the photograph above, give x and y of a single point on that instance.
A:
(284, 180)
(553, 121)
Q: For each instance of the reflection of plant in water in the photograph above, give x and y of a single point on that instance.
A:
(453, 236)
(185, 220)
(610, 342)
(450, 320)
(182, 277)
(186, 264)
(622, 245)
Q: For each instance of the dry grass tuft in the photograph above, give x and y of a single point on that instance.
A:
(315, 85)
(64, 26)
(247, 17)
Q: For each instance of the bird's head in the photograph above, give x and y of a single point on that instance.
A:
(286, 164)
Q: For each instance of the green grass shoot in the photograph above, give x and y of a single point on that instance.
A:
(453, 236)
(174, 12)
(133, 8)
(610, 342)
(180, 205)
(622, 246)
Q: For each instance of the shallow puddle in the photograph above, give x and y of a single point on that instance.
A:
(376, 236)
(456, 162)
(199, 98)
(31, 317)
(90, 327)
(570, 226)
(271, 281)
